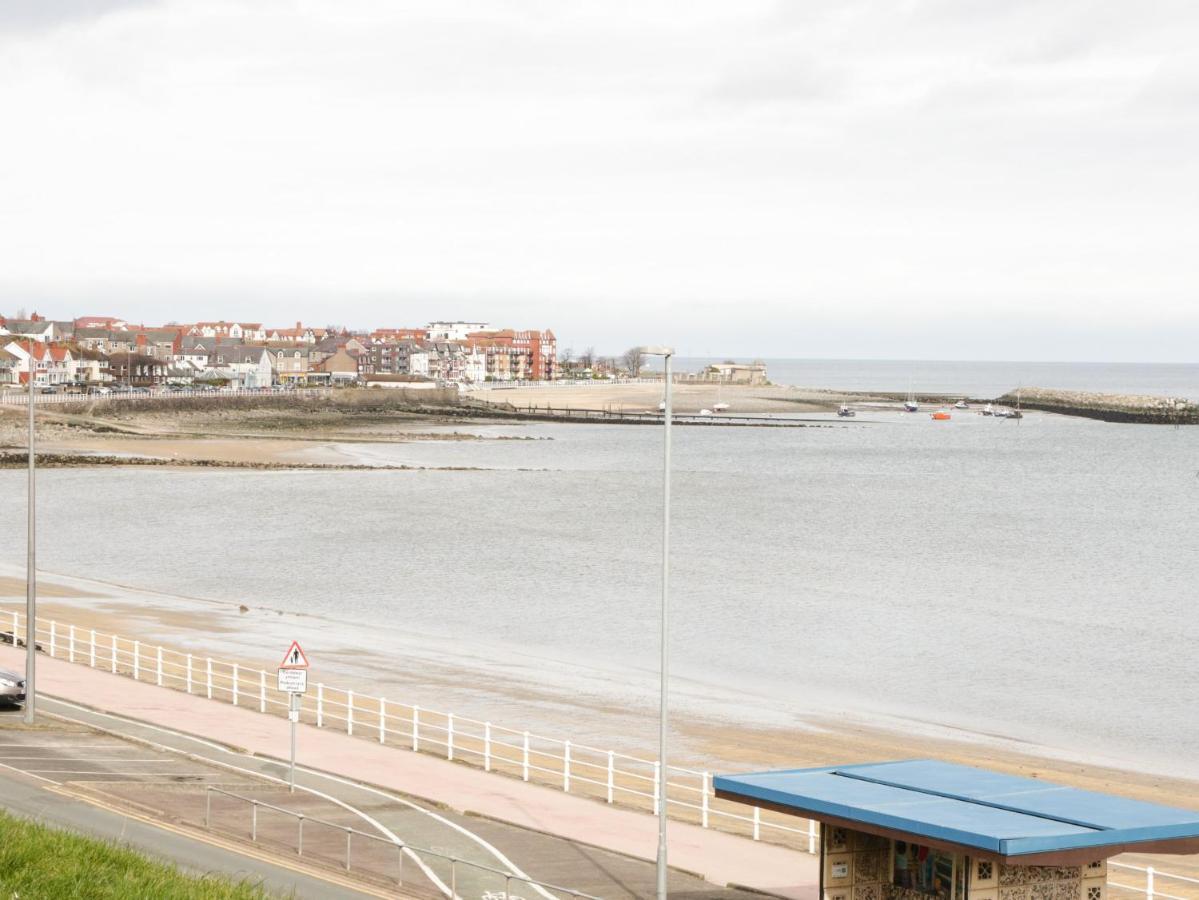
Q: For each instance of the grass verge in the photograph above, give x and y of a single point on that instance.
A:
(39, 861)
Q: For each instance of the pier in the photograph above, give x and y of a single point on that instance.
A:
(623, 417)
(1133, 408)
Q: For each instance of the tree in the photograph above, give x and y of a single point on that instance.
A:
(633, 360)
(567, 356)
(587, 359)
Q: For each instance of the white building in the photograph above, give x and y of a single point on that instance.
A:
(454, 331)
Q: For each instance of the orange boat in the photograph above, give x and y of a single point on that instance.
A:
(941, 416)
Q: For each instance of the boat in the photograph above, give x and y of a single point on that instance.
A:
(845, 412)
(1016, 413)
(941, 416)
(719, 406)
(705, 412)
(988, 410)
(662, 406)
(961, 404)
(910, 404)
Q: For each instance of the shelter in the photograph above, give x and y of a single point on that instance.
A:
(921, 829)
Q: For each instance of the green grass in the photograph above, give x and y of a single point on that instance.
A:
(38, 861)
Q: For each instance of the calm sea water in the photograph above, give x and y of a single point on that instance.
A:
(974, 379)
(1033, 580)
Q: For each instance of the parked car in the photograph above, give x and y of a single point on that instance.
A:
(12, 688)
(49, 389)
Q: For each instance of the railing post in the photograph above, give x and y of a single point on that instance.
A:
(400, 866)
(453, 877)
(449, 736)
(114, 654)
(91, 660)
(566, 766)
(657, 785)
(262, 690)
(320, 705)
(137, 660)
(208, 668)
(349, 835)
(486, 746)
(349, 712)
(189, 673)
(235, 684)
(158, 661)
(71, 644)
(812, 836)
(208, 808)
(525, 762)
(382, 720)
(611, 774)
(415, 729)
(300, 836)
(16, 620)
(1149, 883)
(705, 780)
(253, 820)
(53, 637)
(757, 823)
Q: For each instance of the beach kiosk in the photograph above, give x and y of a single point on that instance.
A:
(927, 830)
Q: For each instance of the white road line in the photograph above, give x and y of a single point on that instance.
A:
(23, 772)
(93, 759)
(429, 873)
(118, 774)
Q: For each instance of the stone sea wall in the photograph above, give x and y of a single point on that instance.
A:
(1108, 407)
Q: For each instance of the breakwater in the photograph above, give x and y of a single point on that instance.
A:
(1134, 408)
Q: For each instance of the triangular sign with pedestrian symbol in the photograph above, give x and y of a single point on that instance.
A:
(294, 658)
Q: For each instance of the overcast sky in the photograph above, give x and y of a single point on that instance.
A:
(1002, 179)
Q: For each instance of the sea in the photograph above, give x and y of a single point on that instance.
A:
(1031, 581)
(970, 379)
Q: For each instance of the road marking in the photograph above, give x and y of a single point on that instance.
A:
(30, 774)
(94, 759)
(429, 873)
(215, 841)
(117, 774)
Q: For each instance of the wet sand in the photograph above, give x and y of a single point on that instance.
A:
(686, 398)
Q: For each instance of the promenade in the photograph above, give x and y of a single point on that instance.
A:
(720, 858)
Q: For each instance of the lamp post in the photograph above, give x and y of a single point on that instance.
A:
(30, 568)
(663, 772)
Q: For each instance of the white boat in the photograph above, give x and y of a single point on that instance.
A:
(705, 412)
(719, 406)
(988, 410)
(961, 404)
(845, 412)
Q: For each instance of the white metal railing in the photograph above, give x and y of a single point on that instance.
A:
(1150, 887)
(605, 775)
(418, 855)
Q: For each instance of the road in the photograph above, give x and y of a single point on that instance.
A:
(133, 763)
(33, 765)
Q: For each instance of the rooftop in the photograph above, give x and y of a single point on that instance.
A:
(1024, 820)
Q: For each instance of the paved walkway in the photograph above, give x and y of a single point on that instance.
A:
(721, 858)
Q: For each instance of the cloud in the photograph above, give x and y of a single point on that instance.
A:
(598, 166)
(39, 15)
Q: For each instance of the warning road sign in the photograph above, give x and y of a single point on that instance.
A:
(294, 658)
(293, 681)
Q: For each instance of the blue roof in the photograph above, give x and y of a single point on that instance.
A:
(1002, 814)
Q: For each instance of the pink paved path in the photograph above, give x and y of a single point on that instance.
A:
(721, 858)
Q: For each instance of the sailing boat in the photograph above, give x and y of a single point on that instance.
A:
(910, 404)
(1016, 413)
(719, 406)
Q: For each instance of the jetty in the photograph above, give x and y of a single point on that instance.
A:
(1135, 408)
(626, 417)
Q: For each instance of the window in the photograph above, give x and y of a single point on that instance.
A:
(923, 869)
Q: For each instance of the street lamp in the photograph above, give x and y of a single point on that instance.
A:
(30, 568)
(663, 773)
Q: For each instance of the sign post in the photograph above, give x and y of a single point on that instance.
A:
(293, 680)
